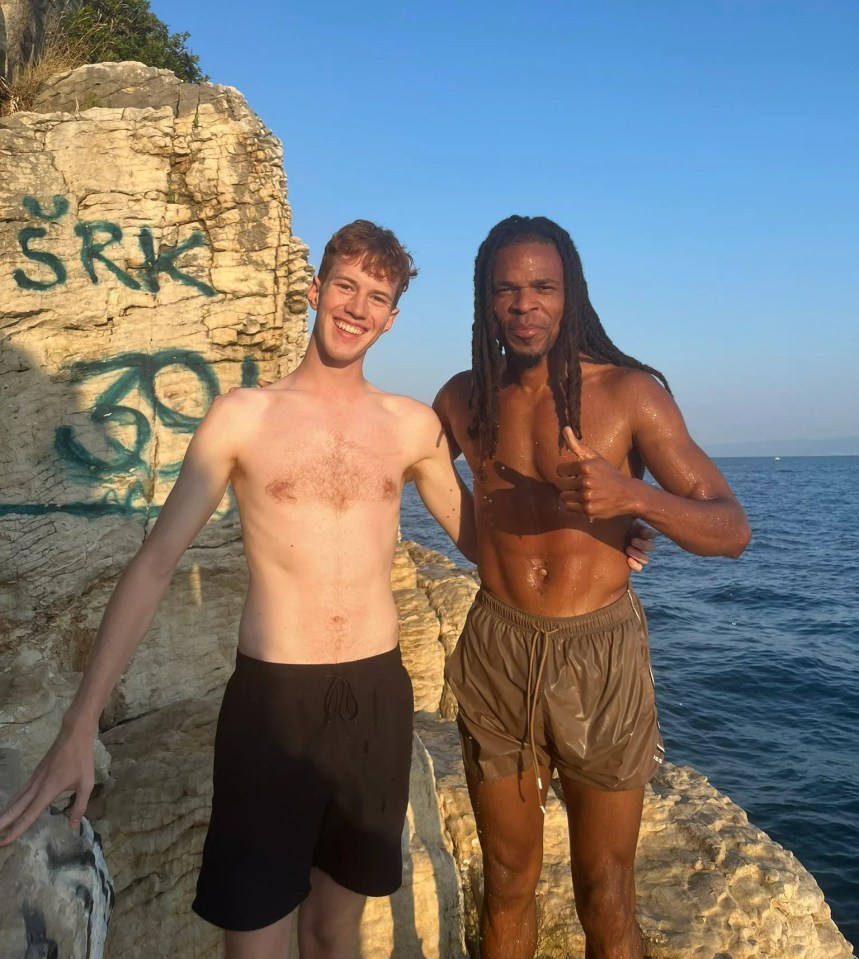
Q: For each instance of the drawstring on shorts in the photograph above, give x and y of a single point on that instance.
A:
(340, 702)
(532, 692)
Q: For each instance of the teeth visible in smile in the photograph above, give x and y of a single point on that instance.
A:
(355, 330)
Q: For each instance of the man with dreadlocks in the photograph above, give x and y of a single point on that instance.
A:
(552, 669)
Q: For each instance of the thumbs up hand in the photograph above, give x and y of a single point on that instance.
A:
(591, 486)
(575, 445)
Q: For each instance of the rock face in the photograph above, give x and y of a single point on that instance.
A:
(147, 264)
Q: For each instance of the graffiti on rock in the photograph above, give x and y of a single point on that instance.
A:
(114, 464)
(96, 237)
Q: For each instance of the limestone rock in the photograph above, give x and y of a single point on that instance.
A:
(450, 592)
(403, 570)
(422, 919)
(152, 815)
(57, 893)
(423, 654)
(33, 701)
(147, 264)
(709, 883)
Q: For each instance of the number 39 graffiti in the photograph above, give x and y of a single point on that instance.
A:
(137, 373)
(125, 464)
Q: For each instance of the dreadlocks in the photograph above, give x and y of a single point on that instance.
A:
(581, 331)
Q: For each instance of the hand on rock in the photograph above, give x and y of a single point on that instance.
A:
(68, 765)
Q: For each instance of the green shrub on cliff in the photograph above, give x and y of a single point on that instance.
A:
(98, 31)
(111, 30)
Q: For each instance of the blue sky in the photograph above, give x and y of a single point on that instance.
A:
(704, 157)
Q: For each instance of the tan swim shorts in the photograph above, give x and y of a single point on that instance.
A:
(574, 694)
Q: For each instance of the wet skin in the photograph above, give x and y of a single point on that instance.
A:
(553, 521)
(553, 514)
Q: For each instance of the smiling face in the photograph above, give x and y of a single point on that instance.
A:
(353, 309)
(528, 300)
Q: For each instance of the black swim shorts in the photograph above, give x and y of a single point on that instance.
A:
(311, 769)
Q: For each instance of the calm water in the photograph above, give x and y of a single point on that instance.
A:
(757, 660)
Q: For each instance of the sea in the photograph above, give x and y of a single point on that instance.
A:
(757, 659)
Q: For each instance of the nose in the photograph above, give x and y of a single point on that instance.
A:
(524, 300)
(356, 305)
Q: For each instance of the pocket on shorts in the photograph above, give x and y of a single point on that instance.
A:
(407, 690)
(649, 680)
(640, 626)
(453, 663)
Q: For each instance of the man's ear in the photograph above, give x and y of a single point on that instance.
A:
(313, 293)
(390, 322)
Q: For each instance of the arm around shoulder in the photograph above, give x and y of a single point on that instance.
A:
(441, 487)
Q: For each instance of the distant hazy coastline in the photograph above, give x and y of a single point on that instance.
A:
(839, 446)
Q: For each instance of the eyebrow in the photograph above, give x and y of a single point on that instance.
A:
(374, 290)
(540, 281)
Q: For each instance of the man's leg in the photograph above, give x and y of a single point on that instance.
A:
(603, 838)
(329, 920)
(510, 827)
(272, 942)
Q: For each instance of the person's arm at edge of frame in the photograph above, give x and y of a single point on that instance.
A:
(694, 507)
(69, 763)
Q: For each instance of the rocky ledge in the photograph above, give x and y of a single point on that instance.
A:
(710, 884)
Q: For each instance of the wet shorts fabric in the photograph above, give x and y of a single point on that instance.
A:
(576, 694)
(311, 769)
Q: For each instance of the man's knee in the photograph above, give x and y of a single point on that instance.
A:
(329, 920)
(606, 902)
(332, 937)
(320, 939)
(511, 876)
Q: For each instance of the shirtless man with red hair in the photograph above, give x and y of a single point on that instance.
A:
(314, 739)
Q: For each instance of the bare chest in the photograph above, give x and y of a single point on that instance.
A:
(531, 445)
(333, 469)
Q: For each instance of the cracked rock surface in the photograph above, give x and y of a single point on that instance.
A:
(147, 264)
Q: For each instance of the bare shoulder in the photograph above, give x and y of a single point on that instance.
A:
(456, 390)
(652, 411)
(413, 414)
(239, 412)
(236, 404)
(637, 389)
